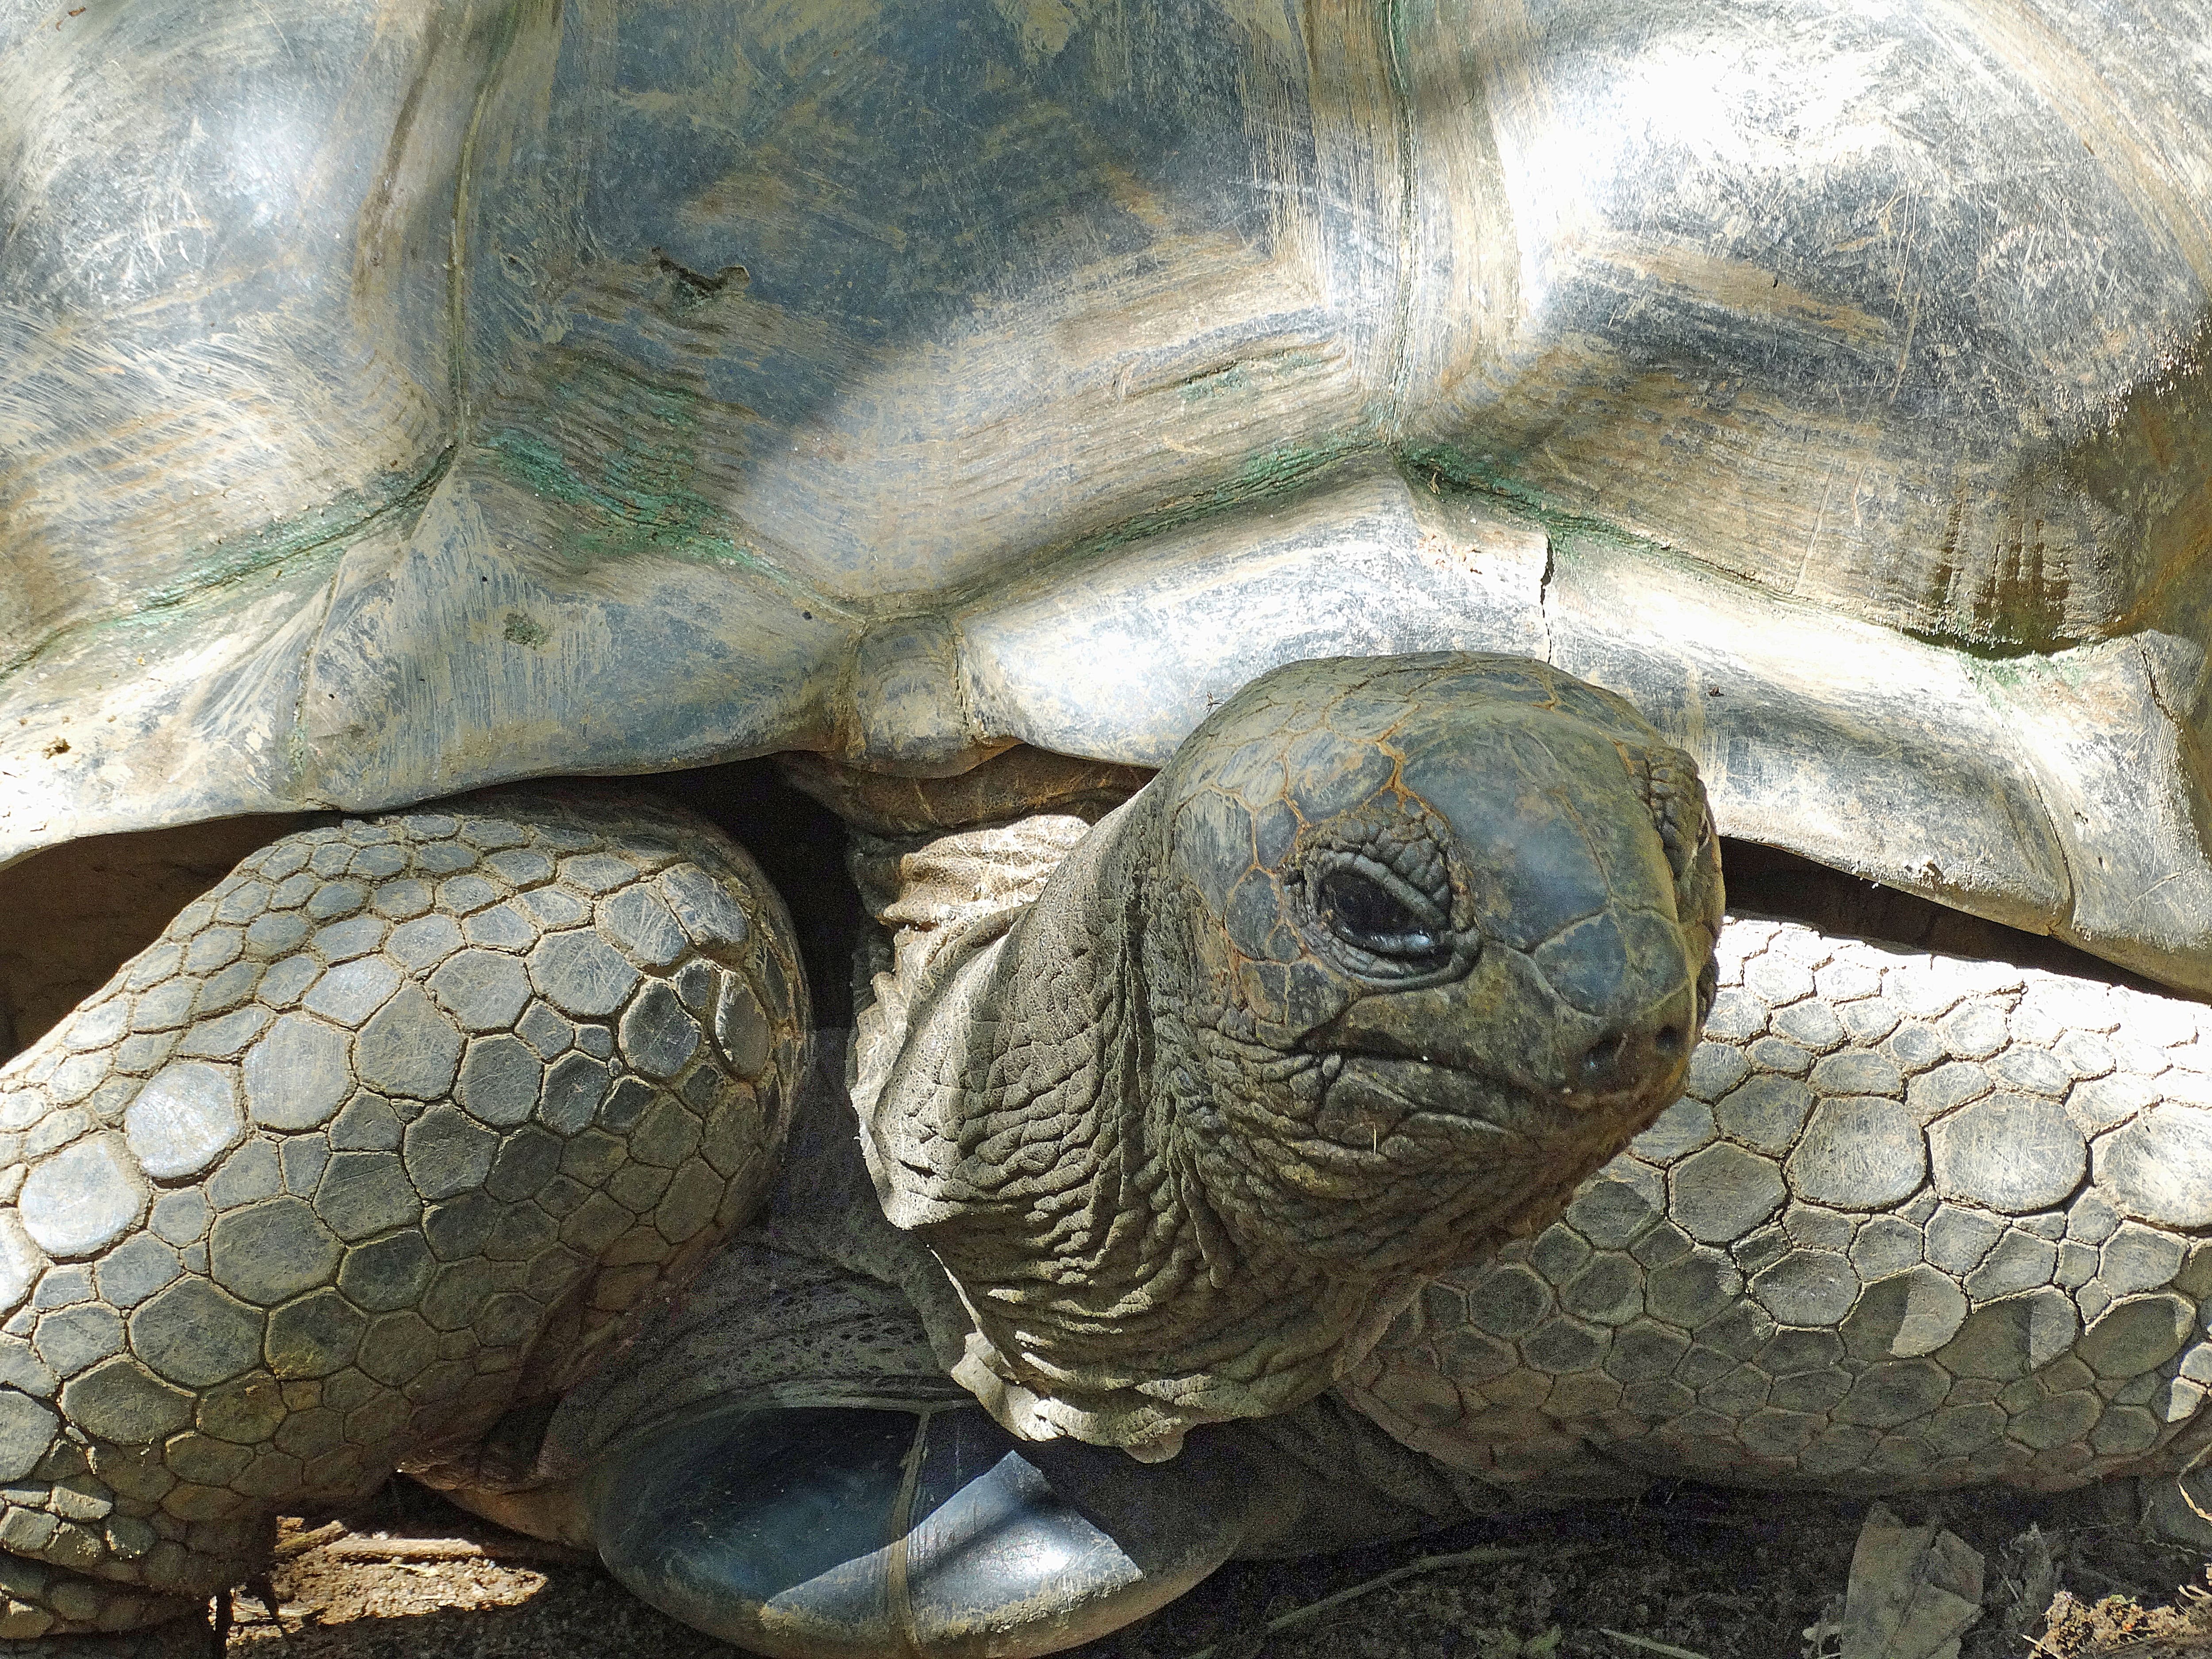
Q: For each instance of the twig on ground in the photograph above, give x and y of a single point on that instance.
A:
(1474, 1558)
(514, 1549)
(301, 1542)
(337, 1544)
(1649, 1646)
(2195, 1462)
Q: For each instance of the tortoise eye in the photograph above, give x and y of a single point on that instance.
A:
(1373, 913)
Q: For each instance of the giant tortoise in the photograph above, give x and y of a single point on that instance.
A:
(1190, 485)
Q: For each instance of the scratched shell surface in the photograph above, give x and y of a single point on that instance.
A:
(403, 396)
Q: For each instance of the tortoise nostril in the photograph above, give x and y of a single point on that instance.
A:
(1623, 1059)
(1600, 1057)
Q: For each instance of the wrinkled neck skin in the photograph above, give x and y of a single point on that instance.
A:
(1074, 1127)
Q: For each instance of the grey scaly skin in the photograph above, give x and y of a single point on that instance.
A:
(382, 1136)
(1917, 1222)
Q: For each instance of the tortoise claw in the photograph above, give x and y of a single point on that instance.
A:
(811, 1533)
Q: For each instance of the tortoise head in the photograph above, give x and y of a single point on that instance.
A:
(1392, 955)
(1431, 937)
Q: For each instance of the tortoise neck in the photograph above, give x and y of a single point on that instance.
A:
(1035, 1131)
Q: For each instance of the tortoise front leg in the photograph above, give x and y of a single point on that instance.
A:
(379, 1138)
(1918, 1222)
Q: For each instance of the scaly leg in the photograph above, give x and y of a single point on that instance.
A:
(1918, 1221)
(381, 1136)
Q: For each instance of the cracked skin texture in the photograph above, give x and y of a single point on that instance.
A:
(382, 1136)
(1390, 958)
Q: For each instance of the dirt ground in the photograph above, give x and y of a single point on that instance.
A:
(1691, 1572)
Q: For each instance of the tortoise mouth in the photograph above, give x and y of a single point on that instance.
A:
(1384, 1090)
